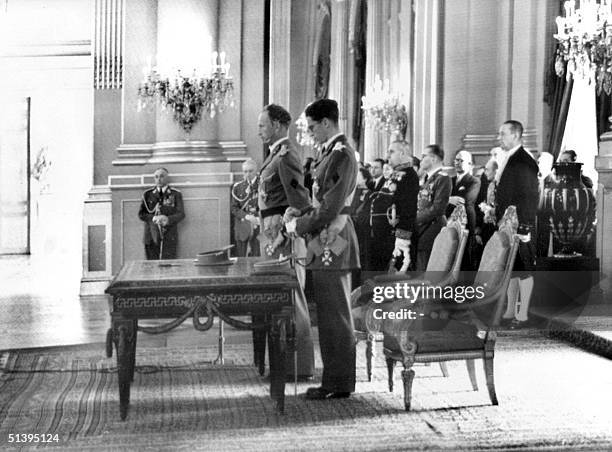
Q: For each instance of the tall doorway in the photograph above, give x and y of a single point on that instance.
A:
(15, 177)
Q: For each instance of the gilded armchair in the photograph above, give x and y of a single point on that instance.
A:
(442, 269)
(447, 330)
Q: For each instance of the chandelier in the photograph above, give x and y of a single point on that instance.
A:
(188, 97)
(385, 110)
(585, 42)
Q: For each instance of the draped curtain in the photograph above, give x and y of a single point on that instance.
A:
(558, 93)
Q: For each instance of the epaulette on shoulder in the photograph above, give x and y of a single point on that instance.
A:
(283, 150)
(339, 146)
(150, 189)
(175, 189)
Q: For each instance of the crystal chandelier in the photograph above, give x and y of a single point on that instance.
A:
(188, 97)
(384, 109)
(585, 42)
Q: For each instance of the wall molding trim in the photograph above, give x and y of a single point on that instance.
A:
(181, 152)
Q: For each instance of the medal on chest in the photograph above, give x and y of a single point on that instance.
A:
(326, 257)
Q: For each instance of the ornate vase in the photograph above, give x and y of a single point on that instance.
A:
(569, 208)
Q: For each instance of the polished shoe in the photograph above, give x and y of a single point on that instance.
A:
(505, 323)
(300, 378)
(518, 324)
(324, 394)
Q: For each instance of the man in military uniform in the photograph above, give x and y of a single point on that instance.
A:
(245, 210)
(332, 250)
(404, 186)
(161, 209)
(381, 240)
(281, 185)
(433, 199)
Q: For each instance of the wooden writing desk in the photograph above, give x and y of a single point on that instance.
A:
(179, 289)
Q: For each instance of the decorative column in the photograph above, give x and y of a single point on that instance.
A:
(108, 56)
(339, 73)
(280, 52)
(373, 140)
(426, 103)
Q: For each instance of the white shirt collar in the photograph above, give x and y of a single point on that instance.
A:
(163, 189)
(331, 140)
(277, 142)
(502, 159)
(460, 176)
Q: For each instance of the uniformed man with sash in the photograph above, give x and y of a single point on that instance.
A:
(161, 209)
(281, 185)
(332, 250)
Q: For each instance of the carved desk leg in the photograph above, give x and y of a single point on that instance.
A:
(278, 350)
(259, 344)
(125, 343)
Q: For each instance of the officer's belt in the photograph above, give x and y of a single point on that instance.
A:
(279, 210)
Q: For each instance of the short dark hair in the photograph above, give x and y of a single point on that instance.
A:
(278, 113)
(323, 108)
(161, 168)
(437, 151)
(365, 174)
(416, 161)
(572, 154)
(381, 161)
(515, 127)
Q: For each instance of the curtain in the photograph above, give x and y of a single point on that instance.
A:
(581, 128)
(558, 92)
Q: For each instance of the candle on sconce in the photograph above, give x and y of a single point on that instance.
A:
(227, 68)
(222, 59)
(214, 62)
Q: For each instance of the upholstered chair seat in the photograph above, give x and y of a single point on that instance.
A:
(442, 269)
(446, 330)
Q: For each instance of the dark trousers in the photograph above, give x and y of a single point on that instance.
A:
(242, 247)
(168, 250)
(332, 291)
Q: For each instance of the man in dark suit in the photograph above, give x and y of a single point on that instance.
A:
(432, 202)
(377, 181)
(517, 185)
(281, 185)
(465, 191)
(332, 251)
(161, 210)
(404, 186)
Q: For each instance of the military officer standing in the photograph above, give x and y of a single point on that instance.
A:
(404, 185)
(281, 185)
(433, 199)
(161, 209)
(332, 250)
(245, 210)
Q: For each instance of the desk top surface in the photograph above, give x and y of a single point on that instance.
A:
(184, 273)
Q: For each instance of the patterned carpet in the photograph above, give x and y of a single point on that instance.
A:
(552, 396)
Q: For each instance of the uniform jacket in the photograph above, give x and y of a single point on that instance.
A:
(518, 186)
(281, 182)
(244, 201)
(405, 188)
(432, 203)
(335, 176)
(171, 202)
(468, 188)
